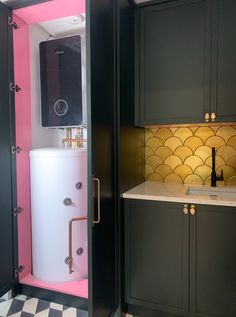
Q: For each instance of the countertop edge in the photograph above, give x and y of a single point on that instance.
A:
(186, 199)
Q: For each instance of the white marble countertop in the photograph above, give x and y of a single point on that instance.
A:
(179, 193)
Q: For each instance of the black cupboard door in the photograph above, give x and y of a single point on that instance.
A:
(224, 62)
(101, 80)
(213, 262)
(8, 258)
(156, 256)
(173, 72)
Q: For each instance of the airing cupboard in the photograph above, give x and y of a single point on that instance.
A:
(111, 155)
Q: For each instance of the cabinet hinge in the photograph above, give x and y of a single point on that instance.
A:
(15, 150)
(17, 211)
(19, 270)
(15, 88)
(12, 24)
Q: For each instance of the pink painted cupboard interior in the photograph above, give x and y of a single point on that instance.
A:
(24, 17)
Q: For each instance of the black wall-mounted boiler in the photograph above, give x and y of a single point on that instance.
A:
(61, 82)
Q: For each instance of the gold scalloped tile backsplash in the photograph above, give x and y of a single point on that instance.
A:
(183, 155)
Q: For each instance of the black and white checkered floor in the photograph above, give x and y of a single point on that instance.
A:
(23, 306)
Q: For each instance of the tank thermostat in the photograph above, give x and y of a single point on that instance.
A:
(67, 202)
(79, 185)
(80, 251)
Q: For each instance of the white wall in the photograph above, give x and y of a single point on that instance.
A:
(41, 137)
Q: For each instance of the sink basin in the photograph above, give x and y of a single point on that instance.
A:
(213, 192)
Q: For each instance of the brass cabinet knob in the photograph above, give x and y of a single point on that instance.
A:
(207, 117)
(213, 117)
(185, 209)
(192, 210)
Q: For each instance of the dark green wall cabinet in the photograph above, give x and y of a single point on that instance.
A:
(223, 100)
(185, 62)
(180, 262)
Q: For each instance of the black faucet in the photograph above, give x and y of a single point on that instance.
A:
(215, 178)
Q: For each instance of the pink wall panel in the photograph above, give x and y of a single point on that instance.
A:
(50, 10)
(23, 140)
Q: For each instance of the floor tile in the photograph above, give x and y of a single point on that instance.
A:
(23, 306)
(7, 296)
(55, 313)
(43, 313)
(70, 312)
(30, 306)
(16, 306)
(81, 313)
(4, 307)
(24, 314)
(21, 297)
(16, 315)
(42, 305)
(56, 306)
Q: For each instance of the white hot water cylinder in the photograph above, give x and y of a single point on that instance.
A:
(58, 194)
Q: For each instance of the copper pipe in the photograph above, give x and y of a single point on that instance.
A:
(70, 258)
(69, 136)
(80, 136)
(80, 132)
(74, 140)
(78, 141)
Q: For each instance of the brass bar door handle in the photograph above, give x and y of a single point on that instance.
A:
(99, 201)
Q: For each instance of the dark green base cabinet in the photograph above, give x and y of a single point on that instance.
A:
(179, 264)
(156, 256)
(213, 262)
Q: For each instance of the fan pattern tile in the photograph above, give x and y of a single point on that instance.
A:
(183, 155)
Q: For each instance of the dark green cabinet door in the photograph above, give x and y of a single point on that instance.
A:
(101, 109)
(224, 61)
(156, 256)
(8, 257)
(173, 69)
(213, 262)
